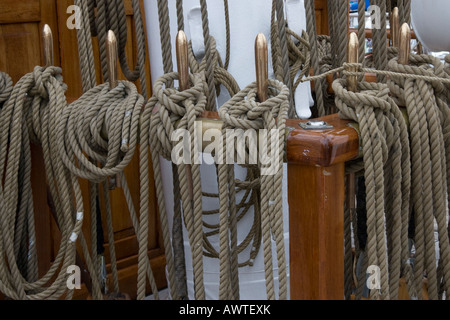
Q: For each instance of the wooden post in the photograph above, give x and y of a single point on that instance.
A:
(316, 184)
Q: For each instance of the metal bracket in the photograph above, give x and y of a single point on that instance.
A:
(316, 125)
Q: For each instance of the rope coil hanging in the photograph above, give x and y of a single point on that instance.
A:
(427, 105)
(115, 112)
(6, 87)
(169, 110)
(244, 112)
(386, 153)
(30, 115)
(110, 15)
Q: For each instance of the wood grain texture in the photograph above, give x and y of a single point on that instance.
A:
(13, 11)
(316, 231)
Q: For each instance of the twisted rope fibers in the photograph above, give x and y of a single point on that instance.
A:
(385, 152)
(167, 111)
(298, 57)
(427, 107)
(30, 115)
(83, 124)
(243, 112)
(111, 16)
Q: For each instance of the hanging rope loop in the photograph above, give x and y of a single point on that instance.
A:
(385, 145)
(426, 103)
(116, 112)
(31, 109)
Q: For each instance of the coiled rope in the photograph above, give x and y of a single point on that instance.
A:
(89, 154)
(244, 112)
(6, 87)
(169, 110)
(386, 153)
(380, 40)
(30, 115)
(249, 200)
(428, 112)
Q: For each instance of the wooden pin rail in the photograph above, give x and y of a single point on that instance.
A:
(316, 184)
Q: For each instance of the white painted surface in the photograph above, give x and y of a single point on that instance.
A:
(431, 23)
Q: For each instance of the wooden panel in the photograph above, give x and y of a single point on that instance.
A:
(13, 11)
(127, 276)
(20, 45)
(316, 231)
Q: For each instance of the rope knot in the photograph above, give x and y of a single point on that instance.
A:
(177, 102)
(419, 65)
(173, 109)
(42, 76)
(243, 111)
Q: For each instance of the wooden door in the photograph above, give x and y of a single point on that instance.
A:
(21, 49)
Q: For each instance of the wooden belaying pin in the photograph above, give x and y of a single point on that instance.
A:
(262, 67)
(182, 60)
(113, 74)
(111, 59)
(181, 46)
(404, 49)
(352, 81)
(47, 37)
(395, 28)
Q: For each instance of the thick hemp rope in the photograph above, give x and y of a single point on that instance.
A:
(221, 77)
(427, 105)
(103, 126)
(386, 153)
(110, 15)
(380, 40)
(312, 33)
(244, 112)
(92, 26)
(298, 55)
(281, 50)
(85, 50)
(167, 111)
(30, 115)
